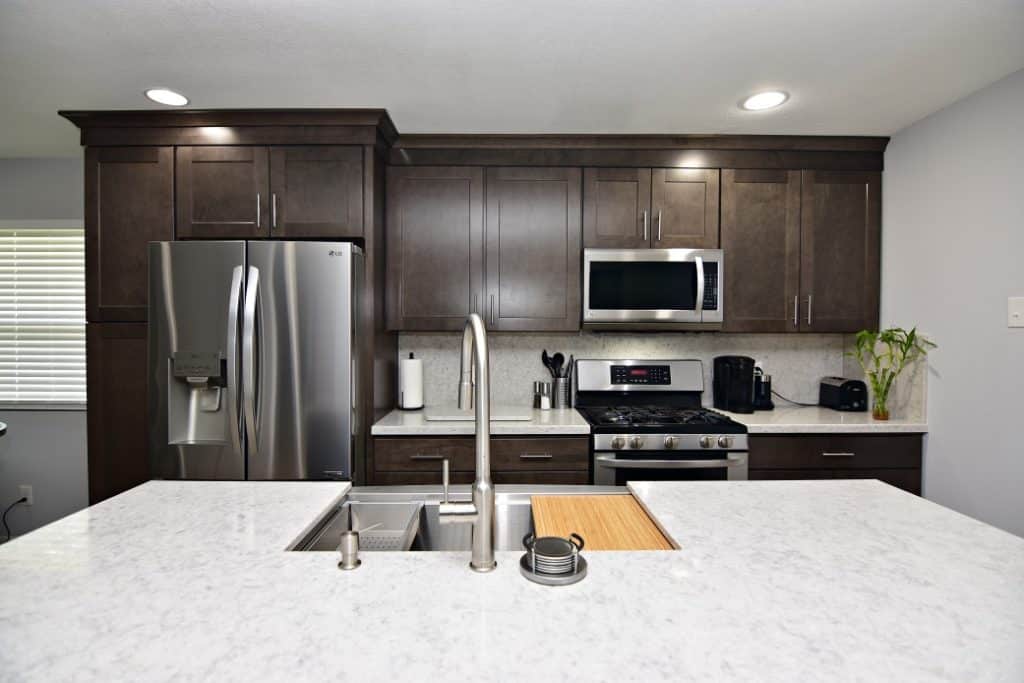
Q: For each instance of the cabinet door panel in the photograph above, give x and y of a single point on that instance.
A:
(534, 248)
(434, 247)
(222, 192)
(761, 239)
(616, 208)
(117, 426)
(841, 216)
(316, 191)
(907, 479)
(129, 202)
(684, 203)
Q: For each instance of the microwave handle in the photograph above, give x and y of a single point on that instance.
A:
(700, 284)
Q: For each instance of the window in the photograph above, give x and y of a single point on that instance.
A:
(42, 314)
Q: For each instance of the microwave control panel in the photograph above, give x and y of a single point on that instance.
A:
(641, 374)
(711, 286)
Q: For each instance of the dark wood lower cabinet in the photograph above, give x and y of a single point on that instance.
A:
(116, 386)
(514, 460)
(892, 458)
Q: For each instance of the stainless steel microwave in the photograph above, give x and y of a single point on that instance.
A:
(651, 289)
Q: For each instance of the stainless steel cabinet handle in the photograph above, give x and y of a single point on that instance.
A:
(258, 212)
(273, 210)
(535, 456)
(492, 309)
(810, 302)
(445, 479)
(659, 225)
(426, 456)
(644, 214)
(234, 395)
(838, 455)
(796, 310)
(614, 463)
(249, 360)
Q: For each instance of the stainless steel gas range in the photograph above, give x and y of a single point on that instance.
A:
(647, 423)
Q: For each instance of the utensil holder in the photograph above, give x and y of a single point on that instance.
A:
(561, 395)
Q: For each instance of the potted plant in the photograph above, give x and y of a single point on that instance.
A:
(882, 356)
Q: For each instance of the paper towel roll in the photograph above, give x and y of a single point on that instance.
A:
(410, 383)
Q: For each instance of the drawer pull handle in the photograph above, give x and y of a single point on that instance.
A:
(838, 455)
(425, 456)
(535, 456)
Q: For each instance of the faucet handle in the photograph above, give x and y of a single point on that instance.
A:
(445, 479)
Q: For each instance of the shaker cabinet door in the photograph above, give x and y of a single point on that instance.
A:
(222, 192)
(534, 249)
(761, 240)
(316, 191)
(617, 208)
(129, 202)
(841, 218)
(434, 247)
(684, 206)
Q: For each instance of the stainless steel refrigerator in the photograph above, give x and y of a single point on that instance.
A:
(253, 359)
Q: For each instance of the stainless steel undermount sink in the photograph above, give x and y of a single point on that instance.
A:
(414, 511)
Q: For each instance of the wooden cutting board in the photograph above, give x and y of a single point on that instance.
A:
(606, 522)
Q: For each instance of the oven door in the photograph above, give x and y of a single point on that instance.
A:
(614, 468)
(663, 288)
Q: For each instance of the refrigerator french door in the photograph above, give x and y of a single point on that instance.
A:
(252, 358)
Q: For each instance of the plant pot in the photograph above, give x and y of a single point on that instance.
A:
(880, 412)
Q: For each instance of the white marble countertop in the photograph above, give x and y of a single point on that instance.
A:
(775, 581)
(542, 422)
(817, 420)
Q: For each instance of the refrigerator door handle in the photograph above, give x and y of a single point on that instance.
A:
(234, 396)
(249, 360)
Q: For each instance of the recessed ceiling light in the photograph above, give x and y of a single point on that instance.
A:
(764, 100)
(168, 97)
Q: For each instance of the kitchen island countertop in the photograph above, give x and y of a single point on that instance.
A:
(774, 581)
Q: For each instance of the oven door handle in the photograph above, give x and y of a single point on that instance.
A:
(614, 463)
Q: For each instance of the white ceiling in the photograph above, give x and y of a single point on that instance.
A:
(860, 67)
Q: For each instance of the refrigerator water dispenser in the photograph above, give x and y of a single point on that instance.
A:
(196, 382)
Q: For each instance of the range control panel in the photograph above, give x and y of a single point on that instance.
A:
(641, 374)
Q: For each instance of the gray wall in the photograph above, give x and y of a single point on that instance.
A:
(953, 243)
(45, 449)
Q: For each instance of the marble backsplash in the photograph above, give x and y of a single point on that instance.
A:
(795, 361)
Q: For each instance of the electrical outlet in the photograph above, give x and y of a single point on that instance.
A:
(1015, 311)
(26, 493)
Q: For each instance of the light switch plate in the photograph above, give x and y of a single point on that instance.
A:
(1015, 311)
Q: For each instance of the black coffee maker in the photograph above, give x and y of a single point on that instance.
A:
(733, 384)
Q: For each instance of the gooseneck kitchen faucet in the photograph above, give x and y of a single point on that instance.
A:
(480, 512)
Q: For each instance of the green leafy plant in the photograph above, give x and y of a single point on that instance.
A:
(883, 356)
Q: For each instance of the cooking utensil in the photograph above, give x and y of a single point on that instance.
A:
(572, 365)
(557, 361)
(546, 360)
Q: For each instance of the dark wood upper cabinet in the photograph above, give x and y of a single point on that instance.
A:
(534, 241)
(841, 218)
(761, 240)
(684, 208)
(435, 246)
(223, 193)
(617, 208)
(316, 191)
(129, 201)
(117, 427)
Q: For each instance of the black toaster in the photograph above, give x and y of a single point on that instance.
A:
(839, 393)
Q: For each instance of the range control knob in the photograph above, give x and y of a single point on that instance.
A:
(706, 442)
(636, 442)
(618, 443)
(724, 441)
(671, 442)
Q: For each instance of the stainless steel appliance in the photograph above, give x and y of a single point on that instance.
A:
(653, 288)
(647, 423)
(253, 359)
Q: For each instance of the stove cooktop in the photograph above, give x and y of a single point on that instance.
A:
(659, 419)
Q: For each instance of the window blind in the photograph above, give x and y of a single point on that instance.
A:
(42, 316)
